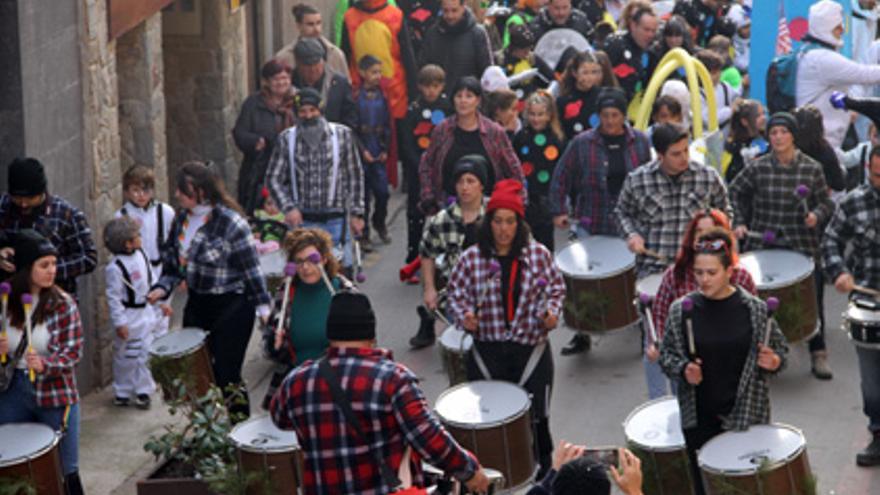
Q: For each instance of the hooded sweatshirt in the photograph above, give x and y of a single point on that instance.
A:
(461, 49)
(823, 70)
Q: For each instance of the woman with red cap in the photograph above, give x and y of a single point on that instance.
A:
(507, 292)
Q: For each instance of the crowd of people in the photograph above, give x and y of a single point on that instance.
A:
(501, 144)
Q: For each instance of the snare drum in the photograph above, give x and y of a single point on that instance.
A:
(454, 347)
(787, 275)
(272, 265)
(263, 448)
(767, 459)
(492, 420)
(862, 321)
(653, 433)
(29, 453)
(649, 285)
(600, 280)
(182, 354)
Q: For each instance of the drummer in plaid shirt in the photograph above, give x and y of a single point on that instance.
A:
(658, 200)
(507, 292)
(387, 402)
(855, 225)
(765, 198)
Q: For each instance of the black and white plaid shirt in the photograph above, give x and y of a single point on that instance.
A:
(856, 222)
(444, 234)
(764, 199)
(658, 207)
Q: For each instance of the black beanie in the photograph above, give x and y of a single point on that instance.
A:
(784, 119)
(581, 475)
(30, 246)
(26, 177)
(611, 97)
(471, 164)
(307, 96)
(350, 317)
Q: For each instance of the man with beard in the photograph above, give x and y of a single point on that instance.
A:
(324, 183)
(334, 89)
(27, 204)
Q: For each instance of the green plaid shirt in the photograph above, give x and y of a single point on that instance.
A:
(752, 405)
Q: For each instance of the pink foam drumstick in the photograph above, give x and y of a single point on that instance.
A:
(5, 289)
(647, 300)
(450, 200)
(585, 223)
(289, 273)
(27, 300)
(687, 305)
(316, 259)
(772, 306)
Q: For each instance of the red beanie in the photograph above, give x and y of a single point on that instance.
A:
(507, 195)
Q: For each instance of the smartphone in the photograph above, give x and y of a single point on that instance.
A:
(607, 456)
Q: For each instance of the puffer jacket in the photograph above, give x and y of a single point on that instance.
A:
(578, 21)
(461, 50)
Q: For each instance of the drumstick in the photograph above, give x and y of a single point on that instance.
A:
(654, 254)
(494, 269)
(802, 191)
(289, 273)
(26, 301)
(768, 237)
(542, 295)
(584, 223)
(316, 259)
(646, 301)
(687, 305)
(359, 274)
(5, 289)
(858, 288)
(772, 306)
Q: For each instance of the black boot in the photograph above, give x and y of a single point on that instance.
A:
(425, 336)
(871, 455)
(578, 344)
(72, 484)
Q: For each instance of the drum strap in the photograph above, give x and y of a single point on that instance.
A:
(342, 402)
(532, 363)
(480, 363)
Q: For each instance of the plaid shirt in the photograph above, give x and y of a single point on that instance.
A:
(752, 404)
(444, 234)
(56, 385)
(470, 286)
(393, 413)
(764, 198)
(66, 227)
(856, 221)
(499, 152)
(670, 290)
(582, 172)
(658, 207)
(313, 165)
(221, 258)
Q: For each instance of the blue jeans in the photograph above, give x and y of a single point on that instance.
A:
(339, 232)
(869, 368)
(19, 405)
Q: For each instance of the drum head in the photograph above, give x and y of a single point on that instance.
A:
(746, 451)
(22, 441)
(864, 311)
(179, 342)
(452, 337)
(656, 425)
(595, 257)
(649, 285)
(261, 435)
(272, 264)
(552, 45)
(776, 268)
(482, 404)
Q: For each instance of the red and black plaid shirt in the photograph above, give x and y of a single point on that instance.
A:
(393, 413)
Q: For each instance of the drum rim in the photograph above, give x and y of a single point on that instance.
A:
(752, 471)
(182, 353)
(467, 348)
(482, 426)
(248, 448)
(56, 439)
(611, 274)
(790, 283)
(845, 326)
(638, 409)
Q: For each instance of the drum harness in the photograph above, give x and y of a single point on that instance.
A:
(129, 301)
(160, 231)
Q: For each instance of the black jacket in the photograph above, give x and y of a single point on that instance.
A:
(542, 24)
(461, 50)
(630, 63)
(339, 106)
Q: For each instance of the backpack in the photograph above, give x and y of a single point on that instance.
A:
(782, 79)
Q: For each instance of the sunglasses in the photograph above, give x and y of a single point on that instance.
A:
(712, 247)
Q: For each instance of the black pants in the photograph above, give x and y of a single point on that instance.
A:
(229, 321)
(694, 439)
(505, 361)
(817, 343)
(541, 222)
(415, 220)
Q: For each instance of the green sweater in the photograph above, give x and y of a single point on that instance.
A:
(308, 320)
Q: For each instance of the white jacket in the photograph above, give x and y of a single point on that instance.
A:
(822, 71)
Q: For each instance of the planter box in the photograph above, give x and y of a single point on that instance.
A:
(154, 484)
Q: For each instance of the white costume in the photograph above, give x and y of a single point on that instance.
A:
(129, 277)
(155, 221)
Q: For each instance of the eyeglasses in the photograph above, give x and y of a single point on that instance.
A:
(713, 246)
